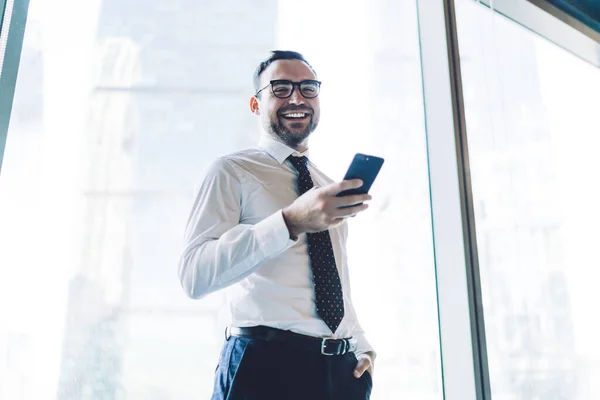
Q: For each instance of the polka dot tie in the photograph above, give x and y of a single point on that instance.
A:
(328, 288)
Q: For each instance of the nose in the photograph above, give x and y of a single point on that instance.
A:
(296, 97)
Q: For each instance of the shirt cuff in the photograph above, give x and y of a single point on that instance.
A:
(362, 347)
(366, 355)
(273, 234)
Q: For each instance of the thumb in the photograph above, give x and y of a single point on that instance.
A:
(361, 368)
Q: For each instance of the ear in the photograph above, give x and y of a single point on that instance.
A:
(254, 105)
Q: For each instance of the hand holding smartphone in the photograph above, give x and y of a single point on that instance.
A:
(364, 167)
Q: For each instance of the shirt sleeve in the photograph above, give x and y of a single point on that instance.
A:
(218, 250)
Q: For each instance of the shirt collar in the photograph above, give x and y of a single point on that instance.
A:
(279, 151)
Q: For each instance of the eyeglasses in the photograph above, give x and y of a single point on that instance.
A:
(283, 88)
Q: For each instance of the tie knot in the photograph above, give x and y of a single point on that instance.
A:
(299, 162)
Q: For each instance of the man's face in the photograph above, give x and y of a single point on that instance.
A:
(292, 119)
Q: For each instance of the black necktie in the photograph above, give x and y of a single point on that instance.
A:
(328, 288)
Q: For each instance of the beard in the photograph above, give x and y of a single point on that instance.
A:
(291, 138)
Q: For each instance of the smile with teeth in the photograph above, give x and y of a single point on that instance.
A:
(295, 115)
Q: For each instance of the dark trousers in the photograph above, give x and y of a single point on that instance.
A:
(255, 369)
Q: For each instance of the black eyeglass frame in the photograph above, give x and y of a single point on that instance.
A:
(294, 84)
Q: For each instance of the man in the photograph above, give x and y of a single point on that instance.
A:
(267, 227)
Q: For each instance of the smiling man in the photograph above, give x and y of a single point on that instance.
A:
(268, 228)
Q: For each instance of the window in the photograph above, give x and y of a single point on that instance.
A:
(117, 114)
(532, 124)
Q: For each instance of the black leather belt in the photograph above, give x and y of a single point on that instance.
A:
(324, 346)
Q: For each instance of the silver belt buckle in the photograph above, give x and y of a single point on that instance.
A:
(324, 346)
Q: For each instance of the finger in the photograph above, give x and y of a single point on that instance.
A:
(349, 211)
(346, 212)
(350, 200)
(361, 367)
(338, 187)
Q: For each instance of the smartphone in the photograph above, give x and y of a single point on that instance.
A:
(365, 168)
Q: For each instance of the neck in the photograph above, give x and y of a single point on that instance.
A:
(300, 147)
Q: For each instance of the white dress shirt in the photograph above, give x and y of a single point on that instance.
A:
(236, 239)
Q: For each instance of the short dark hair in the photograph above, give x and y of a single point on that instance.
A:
(278, 55)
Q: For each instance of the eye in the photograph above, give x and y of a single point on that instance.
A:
(310, 88)
(281, 89)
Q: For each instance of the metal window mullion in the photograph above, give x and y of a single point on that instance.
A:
(2, 9)
(8, 70)
(462, 331)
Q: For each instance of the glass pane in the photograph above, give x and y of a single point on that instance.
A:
(117, 115)
(532, 122)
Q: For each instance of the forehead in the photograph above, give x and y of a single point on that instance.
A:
(294, 70)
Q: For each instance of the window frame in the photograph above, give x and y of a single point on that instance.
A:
(13, 17)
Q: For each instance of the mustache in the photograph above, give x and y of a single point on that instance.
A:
(290, 108)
